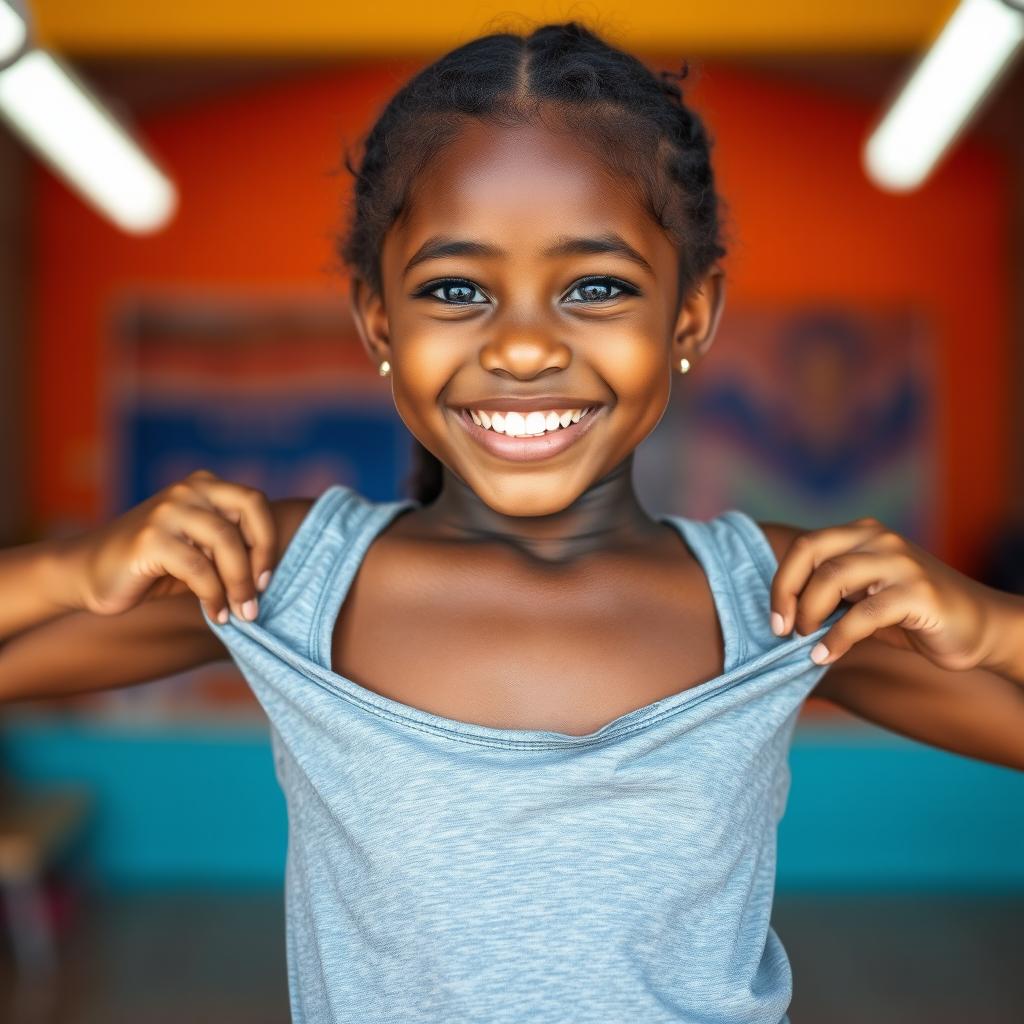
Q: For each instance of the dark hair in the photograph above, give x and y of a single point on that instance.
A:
(567, 76)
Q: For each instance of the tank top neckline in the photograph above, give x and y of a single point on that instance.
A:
(378, 517)
(374, 519)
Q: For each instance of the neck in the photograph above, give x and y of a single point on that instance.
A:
(607, 514)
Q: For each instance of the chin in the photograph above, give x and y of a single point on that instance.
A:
(526, 498)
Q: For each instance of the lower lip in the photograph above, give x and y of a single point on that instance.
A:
(528, 449)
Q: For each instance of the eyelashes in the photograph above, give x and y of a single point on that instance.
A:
(455, 283)
(603, 282)
(612, 287)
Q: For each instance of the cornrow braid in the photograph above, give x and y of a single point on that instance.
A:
(635, 120)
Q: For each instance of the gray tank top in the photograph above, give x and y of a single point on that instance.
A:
(441, 871)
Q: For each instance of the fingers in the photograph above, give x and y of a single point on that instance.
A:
(187, 563)
(217, 537)
(250, 510)
(233, 527)
(892, 606)
(852, 576)
(807, 553)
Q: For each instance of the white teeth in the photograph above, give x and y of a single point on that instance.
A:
(514, 423)
(533, 424)
(536, 423)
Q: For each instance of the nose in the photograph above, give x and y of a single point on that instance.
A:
(524, 353)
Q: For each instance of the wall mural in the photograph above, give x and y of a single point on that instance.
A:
(808, 416)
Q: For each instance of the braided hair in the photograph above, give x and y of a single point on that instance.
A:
(635, 120)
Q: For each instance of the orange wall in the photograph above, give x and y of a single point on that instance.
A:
(259, 206)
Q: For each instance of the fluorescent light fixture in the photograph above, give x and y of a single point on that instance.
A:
(72, 130)
(13, 31)
(946, 88)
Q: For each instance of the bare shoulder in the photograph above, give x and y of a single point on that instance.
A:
(288, 516)
(779, 537)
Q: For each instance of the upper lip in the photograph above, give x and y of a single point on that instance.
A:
(540, 402)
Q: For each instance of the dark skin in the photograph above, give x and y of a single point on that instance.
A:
(559, 550)
(541, 595)
(529, 595)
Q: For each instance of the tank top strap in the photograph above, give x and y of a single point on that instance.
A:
(739, 563)
(317, 567)
(752, 565)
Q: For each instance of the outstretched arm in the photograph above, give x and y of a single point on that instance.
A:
(977, 711)
(55, 650)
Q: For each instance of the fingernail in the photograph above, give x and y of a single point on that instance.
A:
(819, 654)
(249, 609)
(264, 581)
(778, 623)
(223, 616)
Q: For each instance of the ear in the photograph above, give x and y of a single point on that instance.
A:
(371, 321)
(698, 317)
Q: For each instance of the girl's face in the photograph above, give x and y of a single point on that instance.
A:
(525, 270)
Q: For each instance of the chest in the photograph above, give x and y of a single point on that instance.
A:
(475, 638)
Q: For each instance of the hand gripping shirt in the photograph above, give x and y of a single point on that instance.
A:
(440, 871)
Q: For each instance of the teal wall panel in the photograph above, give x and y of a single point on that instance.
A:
(200, 805)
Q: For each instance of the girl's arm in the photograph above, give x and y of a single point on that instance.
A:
(61, 650)
(977, 712)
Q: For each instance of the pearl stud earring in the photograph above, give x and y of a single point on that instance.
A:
(684, 365)
(384, 369)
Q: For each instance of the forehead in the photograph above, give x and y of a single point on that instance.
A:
(520, 186)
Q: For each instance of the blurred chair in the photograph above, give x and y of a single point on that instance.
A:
(35, 830)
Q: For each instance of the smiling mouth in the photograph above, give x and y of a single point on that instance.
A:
(542, 442)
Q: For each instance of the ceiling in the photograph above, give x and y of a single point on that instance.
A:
(144, 55)
(342, 29)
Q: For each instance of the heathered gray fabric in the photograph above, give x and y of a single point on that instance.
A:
(443, 872)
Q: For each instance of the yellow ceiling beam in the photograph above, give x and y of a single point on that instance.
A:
(346, 28)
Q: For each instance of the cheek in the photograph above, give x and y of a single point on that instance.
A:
(635, 369)
(637, 372)
(428, 362)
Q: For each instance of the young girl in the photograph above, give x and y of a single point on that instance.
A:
(533, 740)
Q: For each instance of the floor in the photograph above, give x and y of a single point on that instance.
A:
(901, 959)
(170, 957)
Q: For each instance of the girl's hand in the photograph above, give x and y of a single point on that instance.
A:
(898, 592)
(203, 534)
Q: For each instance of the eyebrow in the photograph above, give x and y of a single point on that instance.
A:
(611, 243)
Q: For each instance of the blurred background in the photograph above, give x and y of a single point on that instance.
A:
(870, 362)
